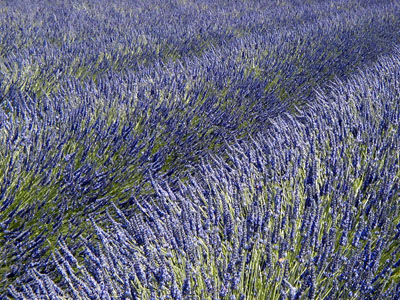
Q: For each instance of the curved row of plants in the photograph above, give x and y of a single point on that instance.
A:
(309, 209)
(86, 125)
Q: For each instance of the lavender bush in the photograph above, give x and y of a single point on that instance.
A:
(199, 150)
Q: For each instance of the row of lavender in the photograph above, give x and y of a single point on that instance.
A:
(309, 209)
(45, 45)
(89, 118)
(87, 38)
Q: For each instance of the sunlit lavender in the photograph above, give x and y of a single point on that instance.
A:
(199, 150)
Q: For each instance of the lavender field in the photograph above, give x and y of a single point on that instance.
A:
(199, 149)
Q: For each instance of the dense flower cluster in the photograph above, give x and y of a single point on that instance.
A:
(199, 150)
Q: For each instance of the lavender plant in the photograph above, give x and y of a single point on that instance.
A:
(128, 170)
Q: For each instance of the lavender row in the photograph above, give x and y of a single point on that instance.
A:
(309, 209)
(43, 43)
(61, 34)
(73, 143)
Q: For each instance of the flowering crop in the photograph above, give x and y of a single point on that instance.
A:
(199, 150)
